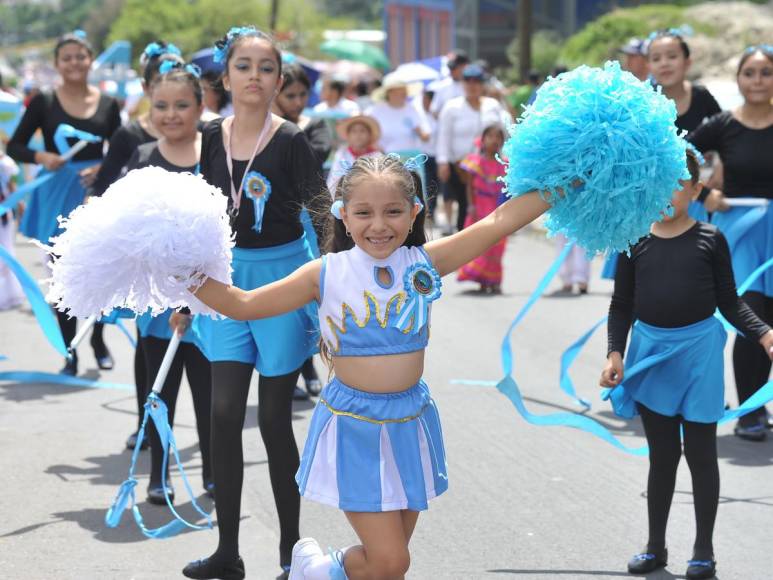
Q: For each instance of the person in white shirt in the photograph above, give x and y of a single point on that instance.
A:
(11, 294)
(451, 86)
(333, 103)
(402, 128)
(461, 121)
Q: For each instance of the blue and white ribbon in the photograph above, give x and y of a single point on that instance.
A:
(422, 285)
(257, 187)
(65, 131)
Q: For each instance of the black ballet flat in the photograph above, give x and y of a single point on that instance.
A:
(751, 433)
(131, 442)
(647, 562)
(156, 495)
(70, 367)
(701, 569)
(208, 568)
(102, 354)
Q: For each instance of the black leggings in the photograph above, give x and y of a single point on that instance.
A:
(700, 450)
(140, 379)
(751, 364)
(231, 384)
(197, 369)
(69, 328)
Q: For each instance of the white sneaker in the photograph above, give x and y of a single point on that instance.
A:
(305, 551)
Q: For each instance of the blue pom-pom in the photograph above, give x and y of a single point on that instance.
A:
(603, 149)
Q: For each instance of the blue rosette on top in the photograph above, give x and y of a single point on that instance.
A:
(422, 285)
(258, 188)
(603, 149)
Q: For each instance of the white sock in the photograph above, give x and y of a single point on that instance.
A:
(328, 567)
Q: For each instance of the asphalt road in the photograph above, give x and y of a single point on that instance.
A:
(524, 502)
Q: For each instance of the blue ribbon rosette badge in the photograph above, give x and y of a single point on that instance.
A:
(258, 188)
(422, 285)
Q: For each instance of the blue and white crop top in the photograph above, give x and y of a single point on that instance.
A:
(359, 315)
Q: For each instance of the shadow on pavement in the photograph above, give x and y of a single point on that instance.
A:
(660, 575)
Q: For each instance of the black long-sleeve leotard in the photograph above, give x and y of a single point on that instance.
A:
(674, 282)
(46, 113)
(289, 164)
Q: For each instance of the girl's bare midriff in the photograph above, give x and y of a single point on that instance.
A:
(380, 374)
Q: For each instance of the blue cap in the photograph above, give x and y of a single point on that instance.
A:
(635, 46)
(473, 71)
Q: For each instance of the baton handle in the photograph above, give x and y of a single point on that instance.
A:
(166, 363)
(82, 333)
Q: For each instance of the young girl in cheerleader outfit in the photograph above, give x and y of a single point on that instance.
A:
(484, 193)
(375, 446)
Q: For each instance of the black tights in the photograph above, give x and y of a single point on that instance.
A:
(140, 379)
(700, 450)
(69, 328)
(751, 364)
(231, 384)
(197, 369)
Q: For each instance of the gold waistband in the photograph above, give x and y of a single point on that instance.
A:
(368, 419)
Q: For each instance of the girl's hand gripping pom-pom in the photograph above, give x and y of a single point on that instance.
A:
(152, 236)
(603, 149)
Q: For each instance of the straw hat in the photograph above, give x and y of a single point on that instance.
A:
(342, 127)
(393, 81)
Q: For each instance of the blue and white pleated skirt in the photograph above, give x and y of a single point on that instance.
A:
(374, 452)
(749, 233)
(681, 372)
(58, 196)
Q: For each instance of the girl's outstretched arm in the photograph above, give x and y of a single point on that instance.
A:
(451, 253)
(285, 295)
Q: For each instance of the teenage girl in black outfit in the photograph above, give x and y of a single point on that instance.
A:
(269, 171)
(73, 102)
(743, 138)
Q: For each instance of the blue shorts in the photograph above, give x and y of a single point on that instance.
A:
(373, 452)
(683, 372)
(277, 345)
(749, 234)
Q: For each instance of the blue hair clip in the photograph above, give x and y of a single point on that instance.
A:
(416, 162)
(336, 208)
(80, 33)
(698, 155)
(222, 46)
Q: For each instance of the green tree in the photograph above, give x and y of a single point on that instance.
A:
(600, 40)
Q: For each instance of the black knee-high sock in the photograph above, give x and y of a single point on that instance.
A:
(700, 450)
(230, 386)
(154, 349)
(97, 339)
(665, 446)
(275, 401)
(199, 373)
(68, 326)
(140, 379)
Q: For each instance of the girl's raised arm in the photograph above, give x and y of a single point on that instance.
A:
(451, 253)
(285, 295)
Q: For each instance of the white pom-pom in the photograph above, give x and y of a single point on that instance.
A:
(149, 238)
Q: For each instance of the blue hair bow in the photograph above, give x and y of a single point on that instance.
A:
(80, 33)
(685, 30)
(155, 50)
(223, 46)
(766, 48)
(170, 65)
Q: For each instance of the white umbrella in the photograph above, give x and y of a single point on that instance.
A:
(412, 72)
